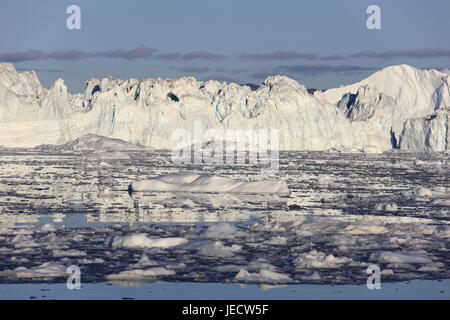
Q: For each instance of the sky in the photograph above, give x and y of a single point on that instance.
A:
(320, 43)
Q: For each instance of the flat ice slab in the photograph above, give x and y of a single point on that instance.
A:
(190, 182)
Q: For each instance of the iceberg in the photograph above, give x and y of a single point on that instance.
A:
(378, 111)
(93, 142)
(191, 182)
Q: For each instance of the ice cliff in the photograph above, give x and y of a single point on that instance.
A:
(388, 109)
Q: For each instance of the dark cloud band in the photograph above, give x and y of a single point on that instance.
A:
(143, 52)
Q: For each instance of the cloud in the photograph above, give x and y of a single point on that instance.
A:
(19, 56)
(312, 70)
(168, 56)
(139, 52)
(65, 55)
(281, 55)
(201, 55)
(417, 53)
(33, 55)
(334, 57)
(192, 69)
(143, 52)
(195, 55)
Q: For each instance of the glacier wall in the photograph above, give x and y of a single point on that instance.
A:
(368, 114)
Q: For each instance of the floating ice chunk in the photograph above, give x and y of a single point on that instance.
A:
(105, 164)
(418, 192)
(69, 253)
(141, 240)
(47, 269)
(444, 233)
(280, 241)
(221, 231)
(317, 259)
(23, 241)
(319, 226)
(441, 202)
(314, 276)
(324, 180)
(218, 249)
(433, 267)
(388, 207)
(107, 193)
(48, 228)
(387, 272)
(264, 276)
(266, 287)
(6, 189)
(364, 227)
(273, 226)
(260, 264)
(141, 274)
(145, 262)
(20, 238)
(439, 196)
(397, 257)
(191, 182)
(5, 230)
(111, 155)
(91, 261)
(373, 149)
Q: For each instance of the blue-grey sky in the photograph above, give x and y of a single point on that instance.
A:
(321, 43)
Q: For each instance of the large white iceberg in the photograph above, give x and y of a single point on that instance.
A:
(371, 112)
(191, 182)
